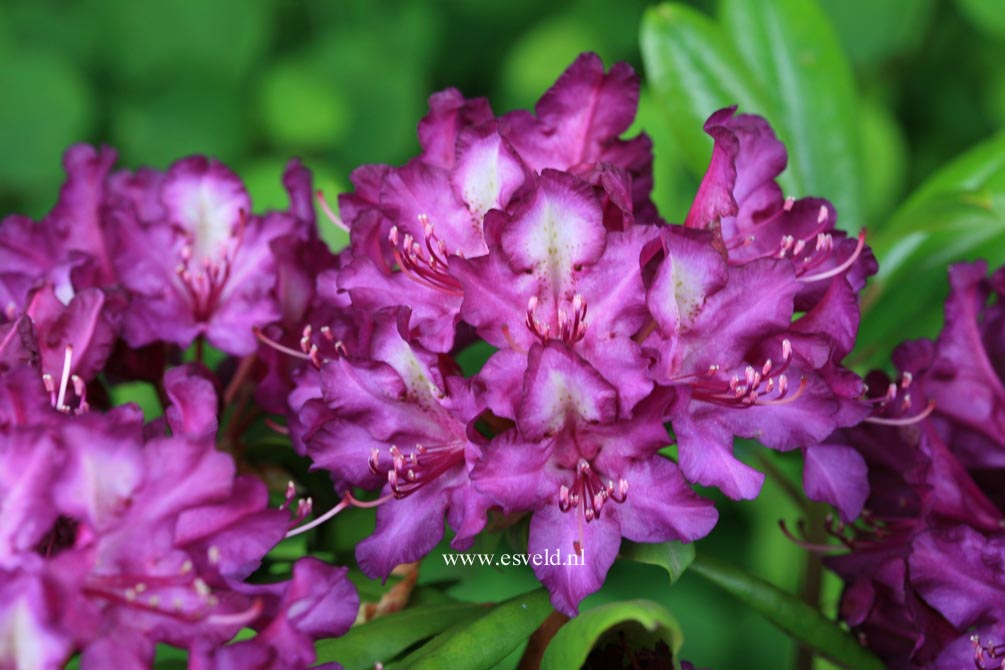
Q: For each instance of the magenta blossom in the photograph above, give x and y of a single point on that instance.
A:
(589, 478)
(115, 540)
(933, 493)
(408, 224)
(195, 258)
(398, 417)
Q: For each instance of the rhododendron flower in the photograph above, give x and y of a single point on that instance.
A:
(422, 216)
(535, 234)
(933, 494)
(589, 478)
(194, 258)
(397, 417)
(141, 539)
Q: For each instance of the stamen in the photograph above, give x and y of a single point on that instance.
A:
(321, 519)
(906, 421)
(67, 363)
(843, 266)
(328, 212)
(264, 339)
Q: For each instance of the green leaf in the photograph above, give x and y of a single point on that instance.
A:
(573, 642)
(985, 15)
(694, 70)
(958, 214)
(787, 65)
(872, 31)
(384, 638)
(485, 641)
(790, 614)
(674, 557)
(794, 52)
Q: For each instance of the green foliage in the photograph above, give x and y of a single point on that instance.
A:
(571, 645)
(384, 638)
(778, 59)
(958, 214)
(674, 557)
(485, 641)
(789, 613)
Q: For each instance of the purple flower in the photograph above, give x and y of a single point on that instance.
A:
(137, 539)
(740, 200)
(399, 418)
(194, 258)
(932, 491)
(589, 478)
(557, 274)
(422, 217)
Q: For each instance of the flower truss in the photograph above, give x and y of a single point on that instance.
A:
(535, 234)
(925, 472)
(613, 335)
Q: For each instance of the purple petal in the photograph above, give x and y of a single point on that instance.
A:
(836, 474)
(407, 530)
(973, 588)
(660, 505)
(449, 114)
(705, 450)
(556, 535)
(715, 200)
(561, 389)
(556, 231)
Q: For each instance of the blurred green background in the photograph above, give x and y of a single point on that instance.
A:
(344, 82)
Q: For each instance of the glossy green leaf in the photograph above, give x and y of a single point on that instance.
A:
(794, 52)
(573, 642)
(780, 59)
(871, 31)
(958, 214)
(485, 641)
(382, 639)
(789, 613)
(986, 15)
(694, 70)
(674, 557)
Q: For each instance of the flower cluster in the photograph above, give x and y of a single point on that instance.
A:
(115, 534)
(925, 472)
(534, 234)
(612, 335)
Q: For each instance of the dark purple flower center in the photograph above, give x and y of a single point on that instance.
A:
(569, 326)
(62, 536)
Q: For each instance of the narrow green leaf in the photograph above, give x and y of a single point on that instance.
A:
(487, 640)
(790, 614)
(384, 638)
(792, 49)
(693, 70)
(958, 214)
(573, 642)
(674, 557)
(986, 15)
